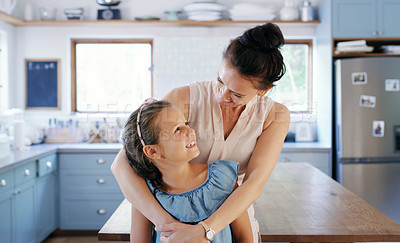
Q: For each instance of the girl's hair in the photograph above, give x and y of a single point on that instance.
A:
(150, 132)
(256, 54)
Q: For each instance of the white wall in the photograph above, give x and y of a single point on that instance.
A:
(7, 47)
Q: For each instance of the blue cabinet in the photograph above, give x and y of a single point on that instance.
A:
(28, 201)
(46, 197)
(6, 196)
(23, 203)
(89, 193)
(365, 18)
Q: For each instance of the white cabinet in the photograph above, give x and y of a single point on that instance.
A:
(319, 158)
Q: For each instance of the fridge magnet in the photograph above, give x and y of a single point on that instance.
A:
(359, 78)
(392, 85)
(378, 128)
(367, 101)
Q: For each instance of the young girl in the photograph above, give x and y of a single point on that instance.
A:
(159, 146)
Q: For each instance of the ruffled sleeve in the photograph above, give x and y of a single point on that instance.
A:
(201, 202)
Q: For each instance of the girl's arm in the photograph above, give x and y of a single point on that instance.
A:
(140, 227)
(261, 164)
(136, 191)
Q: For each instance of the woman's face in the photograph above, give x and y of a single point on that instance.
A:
(233, 89)
(177, 141)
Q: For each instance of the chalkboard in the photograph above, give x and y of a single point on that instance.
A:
(42, 84)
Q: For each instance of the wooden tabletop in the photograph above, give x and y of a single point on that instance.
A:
(299, 204)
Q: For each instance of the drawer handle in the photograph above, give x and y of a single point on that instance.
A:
(17, 192)
(101, 211)
(286, 159)
(27, 172)
(48, 164)
(101, 181)
(3, 183)
(101, 161)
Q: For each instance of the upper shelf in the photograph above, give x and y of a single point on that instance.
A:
(19, 22)
(377, 43)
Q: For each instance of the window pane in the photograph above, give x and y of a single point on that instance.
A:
(112, 77)
(292, 90)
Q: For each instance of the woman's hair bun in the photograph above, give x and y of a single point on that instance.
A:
(265, 38)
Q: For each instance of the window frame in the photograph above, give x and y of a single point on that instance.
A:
(309, 82)
(76, 41)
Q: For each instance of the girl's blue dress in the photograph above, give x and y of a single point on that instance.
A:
(201, 202)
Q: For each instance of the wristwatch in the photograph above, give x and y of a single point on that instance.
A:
(210, 234)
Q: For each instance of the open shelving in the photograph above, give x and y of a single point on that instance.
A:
(375, 42)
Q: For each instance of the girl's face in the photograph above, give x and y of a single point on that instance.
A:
(177, 141)
(233, 89)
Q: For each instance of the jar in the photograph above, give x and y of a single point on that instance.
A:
(307, 12)
(289, 12)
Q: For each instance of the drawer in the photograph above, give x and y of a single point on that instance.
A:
(91, 161)
(88, 181)
(6, 181)
(87, 214)
(47, 165)
(25, 173)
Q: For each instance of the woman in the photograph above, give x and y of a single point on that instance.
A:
(234, 121)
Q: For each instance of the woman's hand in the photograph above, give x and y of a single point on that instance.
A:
(182, 233)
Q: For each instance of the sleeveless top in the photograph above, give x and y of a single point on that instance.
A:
(201, 202)
(205, 117)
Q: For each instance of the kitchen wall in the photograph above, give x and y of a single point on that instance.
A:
(196, 53)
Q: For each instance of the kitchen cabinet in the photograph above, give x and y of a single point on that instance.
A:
(46, 197)
(319, 159)
(6, 196)
(89, 192)
(23, 204)
(365, 18)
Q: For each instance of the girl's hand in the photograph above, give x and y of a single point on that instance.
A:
(182, 233)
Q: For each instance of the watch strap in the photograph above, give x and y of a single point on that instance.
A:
(205, 226)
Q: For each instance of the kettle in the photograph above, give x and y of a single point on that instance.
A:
(7, 6)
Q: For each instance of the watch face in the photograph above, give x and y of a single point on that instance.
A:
(210, 235)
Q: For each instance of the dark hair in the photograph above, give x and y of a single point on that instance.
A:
(150, 133)
(256, 54)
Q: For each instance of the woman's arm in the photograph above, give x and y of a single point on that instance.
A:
(241, 228)
(260, 167)
(140, 227)
(136, 191)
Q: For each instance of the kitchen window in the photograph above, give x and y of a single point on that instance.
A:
(111, 75)
(295, 88)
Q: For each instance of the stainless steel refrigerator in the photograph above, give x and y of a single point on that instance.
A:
(367, 131)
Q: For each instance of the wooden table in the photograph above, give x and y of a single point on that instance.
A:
(299, 204)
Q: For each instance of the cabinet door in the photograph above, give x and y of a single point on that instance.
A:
(388, 18)
(6, 216)
(320, 160)
(23, 213)
(45, 206)
(354, 18)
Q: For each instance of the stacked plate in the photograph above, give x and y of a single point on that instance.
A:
(204, 11)
(251, 12)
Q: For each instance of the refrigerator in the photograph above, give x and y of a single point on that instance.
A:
(367, 130)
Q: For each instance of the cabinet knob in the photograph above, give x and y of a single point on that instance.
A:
(286, 159)
(17, 192)
(101, 211)
(380, 33)
(27, 172)
(48, 164)
(101, 161)
(3, 183)
(101, 181)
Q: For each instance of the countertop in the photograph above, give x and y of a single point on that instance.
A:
(299, 203)
(19, 157)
